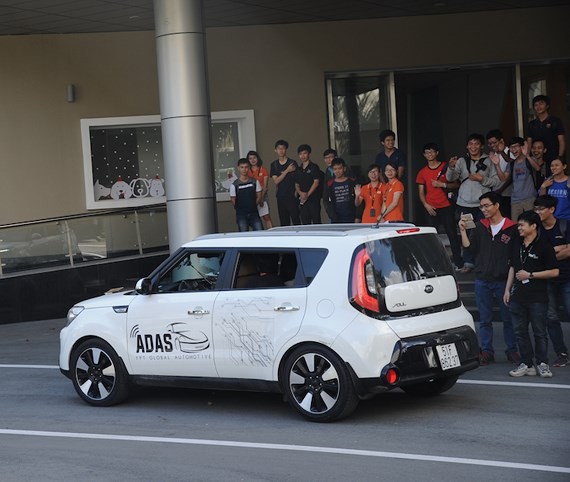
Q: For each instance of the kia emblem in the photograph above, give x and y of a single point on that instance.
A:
(428, 289)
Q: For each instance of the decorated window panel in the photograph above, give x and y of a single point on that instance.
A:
(123, 160)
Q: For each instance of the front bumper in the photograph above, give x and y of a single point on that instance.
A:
(414, 359)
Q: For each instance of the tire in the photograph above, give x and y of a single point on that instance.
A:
(318, 385)
(98, 374)
(432, 387)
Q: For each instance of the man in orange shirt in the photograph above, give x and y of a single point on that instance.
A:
(432, 184)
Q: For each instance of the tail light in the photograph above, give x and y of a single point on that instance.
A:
(363, 291)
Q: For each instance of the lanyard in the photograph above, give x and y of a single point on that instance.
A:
(525, 252)
(373, 194)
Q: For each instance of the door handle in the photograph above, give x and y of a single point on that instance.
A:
(198, 312)
(286, 308)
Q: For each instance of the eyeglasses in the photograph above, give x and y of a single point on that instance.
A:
(485, 206)
(539, 208)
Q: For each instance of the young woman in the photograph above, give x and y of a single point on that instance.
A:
(558, 185)
(392, 195)
(259, 173)
(371, 195)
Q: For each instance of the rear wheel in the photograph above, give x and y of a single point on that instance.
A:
(432, 387)
(98, 374)
(318, 385)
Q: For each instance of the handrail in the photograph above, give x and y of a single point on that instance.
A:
(84, 215)
(115, 233)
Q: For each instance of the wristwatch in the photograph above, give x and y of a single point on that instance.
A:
(531, 275)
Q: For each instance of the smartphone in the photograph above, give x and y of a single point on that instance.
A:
(468, 219)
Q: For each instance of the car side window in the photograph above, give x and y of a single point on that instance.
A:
(312, 260)
(265, 269)
(194, 271)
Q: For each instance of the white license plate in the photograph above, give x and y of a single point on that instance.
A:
(448, 356)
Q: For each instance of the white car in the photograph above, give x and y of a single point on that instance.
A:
(326, 315)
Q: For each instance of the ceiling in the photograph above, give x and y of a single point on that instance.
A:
(25, 17)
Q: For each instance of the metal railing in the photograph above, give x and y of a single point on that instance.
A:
(84, 238)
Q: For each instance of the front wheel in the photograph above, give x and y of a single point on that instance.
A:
(318, 385)
(98, 374)
(431, 387)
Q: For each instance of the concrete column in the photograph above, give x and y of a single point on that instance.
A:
(185, 115)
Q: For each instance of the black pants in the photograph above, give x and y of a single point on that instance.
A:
(311, 211)
(446, 218)
(288, 208)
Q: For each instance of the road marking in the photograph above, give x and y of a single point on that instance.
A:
(49, 367)
(514, 384)
(295, 448)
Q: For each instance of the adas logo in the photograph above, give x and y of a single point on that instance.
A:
(178, 336)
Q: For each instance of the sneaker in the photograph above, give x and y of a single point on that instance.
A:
(544, 370)
(523, 370)
(486, 358)
(561, 361)
(514, 357)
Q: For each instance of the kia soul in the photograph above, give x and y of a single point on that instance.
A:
(326, 315)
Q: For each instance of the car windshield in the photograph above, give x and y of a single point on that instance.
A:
(408, 258)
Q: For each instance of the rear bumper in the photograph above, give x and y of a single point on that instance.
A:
(414, 359)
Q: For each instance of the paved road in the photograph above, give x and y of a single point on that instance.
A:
(489, 427)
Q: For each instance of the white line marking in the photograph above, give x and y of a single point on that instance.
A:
(296, 448)
(49, 367)
(514, 384)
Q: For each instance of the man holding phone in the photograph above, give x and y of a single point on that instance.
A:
(476, 175)
(491, 243)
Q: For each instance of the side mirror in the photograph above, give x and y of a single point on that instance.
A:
(144, 286)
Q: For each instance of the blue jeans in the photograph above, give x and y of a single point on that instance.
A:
(468, 258)
(535, 315)
(244, 221)
(558, 294)
(485, 293)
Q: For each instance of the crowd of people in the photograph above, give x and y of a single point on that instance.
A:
(511, 206)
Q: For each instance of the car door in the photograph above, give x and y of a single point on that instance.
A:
(258, 314)
(170, 329)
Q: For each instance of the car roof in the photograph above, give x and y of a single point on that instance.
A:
(313, 230)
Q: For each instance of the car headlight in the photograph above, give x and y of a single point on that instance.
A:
(73, 313)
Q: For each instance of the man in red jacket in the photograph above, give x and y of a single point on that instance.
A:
(490, 242)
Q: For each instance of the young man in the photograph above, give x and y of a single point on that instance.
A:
(523, 174)
(558, 288)
(548, 128)
(500, 156)
(371, 195)
(532, 263)
(537, 151)
(491, 243)
(390, 153)
(432, 186)
(340, 193)
(282, 172)
(307, 181)
(245, 195)
(477, 175)
(328, 156)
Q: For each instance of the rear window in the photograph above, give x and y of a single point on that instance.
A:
(408, 258)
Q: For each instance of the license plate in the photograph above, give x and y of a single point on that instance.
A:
(448, 357)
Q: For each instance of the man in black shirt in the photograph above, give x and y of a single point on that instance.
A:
(245, 195)
(533, 262)
(283, 174)
(307, 183)
(558, 288)
(341, 207)
(547, 128)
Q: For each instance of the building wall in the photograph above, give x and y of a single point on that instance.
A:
(276, 70)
